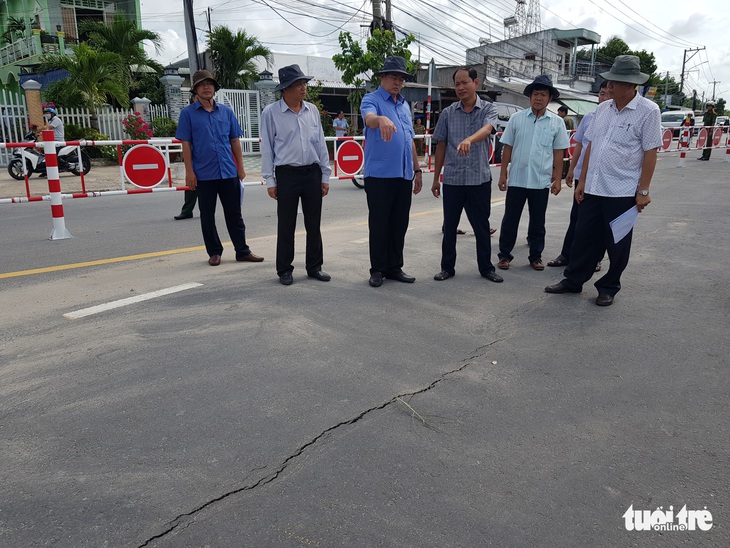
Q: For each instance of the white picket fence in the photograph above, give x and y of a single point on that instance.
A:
(110, 119)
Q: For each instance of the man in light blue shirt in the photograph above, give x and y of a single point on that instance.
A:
(390, 157)
(534, 142)
(295, 165)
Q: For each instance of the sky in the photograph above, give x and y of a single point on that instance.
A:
(446, 28)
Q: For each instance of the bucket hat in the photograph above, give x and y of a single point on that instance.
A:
(545, 81)
(289, 75)
(395, 64)
(626, 69)
(201, 75)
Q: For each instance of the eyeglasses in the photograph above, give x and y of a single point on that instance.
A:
(396, 78)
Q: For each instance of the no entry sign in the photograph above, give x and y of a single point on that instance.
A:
(350, 157)
(667, 139)
(702, 138)
(144, 166)
(716, 136)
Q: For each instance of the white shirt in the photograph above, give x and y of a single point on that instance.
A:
(340, 127)
(619, 140)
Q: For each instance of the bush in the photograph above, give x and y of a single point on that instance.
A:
(136, 127)
(75, 132)
(163, 127)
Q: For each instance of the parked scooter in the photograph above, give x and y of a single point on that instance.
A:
(35, 161)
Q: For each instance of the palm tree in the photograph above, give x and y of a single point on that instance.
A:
(233, 56)
(15, 29)
(96, 75)
(123, 38)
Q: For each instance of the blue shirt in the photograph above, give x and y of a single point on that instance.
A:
(393, 159)
(291, 138)
(533, 140)
(453, 127)
(210, 135)
(580, 137)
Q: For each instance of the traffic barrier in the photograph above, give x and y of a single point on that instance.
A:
(59, 231)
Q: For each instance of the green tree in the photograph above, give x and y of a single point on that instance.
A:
(614, 47)
(357, 63)
(95, 76)
(123, 38)
(233, 56)
(720, 107)
(15, 29)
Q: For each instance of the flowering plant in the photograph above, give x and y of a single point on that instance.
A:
(136, 127)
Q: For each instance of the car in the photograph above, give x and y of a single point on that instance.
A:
(504, 113)
(724, 122)
(674, 119)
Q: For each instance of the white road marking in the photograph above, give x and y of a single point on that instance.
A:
(129, 300)
(360, 241)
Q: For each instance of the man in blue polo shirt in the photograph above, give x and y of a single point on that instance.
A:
(209, 133)
(534, 142)
(390, 157)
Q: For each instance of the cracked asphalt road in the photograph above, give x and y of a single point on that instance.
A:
(456, 413)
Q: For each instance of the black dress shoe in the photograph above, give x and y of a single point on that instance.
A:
(376, 279)
(443, 275)
(401, 276)
(320, 275)
(181, 217)
(286, 279)
(251, 258)
(604, 299)
(560, 287)
(214, 260)
(492, 276)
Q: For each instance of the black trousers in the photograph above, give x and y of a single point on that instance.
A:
(229, 192)
(389, 205)
(537, 200)
(570, 232)
(593, 237)
(292, 184)
(191, 196)
(476, 201)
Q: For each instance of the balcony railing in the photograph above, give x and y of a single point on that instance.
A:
(28, 47)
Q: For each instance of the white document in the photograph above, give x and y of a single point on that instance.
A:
(623, 224)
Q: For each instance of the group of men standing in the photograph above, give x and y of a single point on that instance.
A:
(618, 159)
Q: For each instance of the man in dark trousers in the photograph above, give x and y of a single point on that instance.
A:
(210, 136)
(462, 133)
(295, 165)
(390, 177)
(618, 166)
(708, 121)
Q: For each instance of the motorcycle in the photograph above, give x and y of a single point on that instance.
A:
(35, 161)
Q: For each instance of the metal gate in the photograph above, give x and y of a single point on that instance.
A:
(245, 103)
(13, 122)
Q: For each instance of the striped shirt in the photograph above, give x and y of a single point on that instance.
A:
(453, 127)
(291, 138)
(533, 140)
(619, 139)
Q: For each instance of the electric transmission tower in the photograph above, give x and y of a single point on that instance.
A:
(532, 22)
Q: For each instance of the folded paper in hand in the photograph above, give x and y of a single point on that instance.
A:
(623, 224)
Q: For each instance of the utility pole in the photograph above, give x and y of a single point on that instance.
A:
(190, 36)
(713, 88)
(378, 22)
(388, 16)
(666, 90)
(684, 63)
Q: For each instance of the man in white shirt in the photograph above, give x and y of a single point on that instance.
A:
(340, 124)
(617, 169)
(54, 122)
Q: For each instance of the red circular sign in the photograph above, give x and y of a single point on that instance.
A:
(144, 166)
(701, 138)
(667, 139)
(716, 136)
(350, 157)
(571, 147)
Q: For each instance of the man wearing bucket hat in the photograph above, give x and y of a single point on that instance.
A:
(295, 165)
(619, 163)
(210, 136)
(534, 142)
(391, 171)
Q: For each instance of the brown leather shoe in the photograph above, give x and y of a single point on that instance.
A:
(251, 258)
(214, 260)
(537, 265)
(503, 264)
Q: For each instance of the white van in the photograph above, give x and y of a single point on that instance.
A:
(674, 119)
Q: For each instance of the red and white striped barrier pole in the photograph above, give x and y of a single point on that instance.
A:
(59, 231)
(684, 145)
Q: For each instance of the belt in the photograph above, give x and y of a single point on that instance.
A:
(299, 168)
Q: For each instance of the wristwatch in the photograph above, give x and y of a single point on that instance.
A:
(643, 192)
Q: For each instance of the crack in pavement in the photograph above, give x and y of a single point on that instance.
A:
(183, 519)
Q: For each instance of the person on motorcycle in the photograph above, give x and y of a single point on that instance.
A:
(54, 122)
